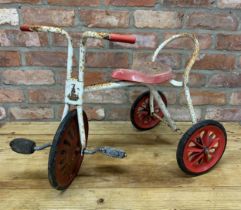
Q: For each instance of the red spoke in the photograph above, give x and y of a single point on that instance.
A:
(196, 143)
(197, 158)
(208, 157)
(194, 149)
(144, 112)
(205, 138)
(214, 142)
(211, 156)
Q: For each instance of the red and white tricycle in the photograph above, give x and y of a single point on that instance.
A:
(199, 149)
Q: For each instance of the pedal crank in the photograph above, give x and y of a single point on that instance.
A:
(108, 151)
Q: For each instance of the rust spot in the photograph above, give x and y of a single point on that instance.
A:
(100, 201)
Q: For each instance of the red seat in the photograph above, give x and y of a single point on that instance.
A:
(143, 77)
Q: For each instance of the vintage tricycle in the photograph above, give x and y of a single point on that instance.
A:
(199, 149)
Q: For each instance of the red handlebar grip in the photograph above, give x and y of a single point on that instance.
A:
(122, 38)
(25, 28)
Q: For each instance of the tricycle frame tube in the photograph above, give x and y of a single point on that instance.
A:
(186, 71)
(110, 85)
(162, 106)
(81, 128)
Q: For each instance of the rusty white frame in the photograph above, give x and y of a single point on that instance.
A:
(74, 88)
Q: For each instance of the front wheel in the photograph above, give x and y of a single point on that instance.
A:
(201, 147)
(65, 156)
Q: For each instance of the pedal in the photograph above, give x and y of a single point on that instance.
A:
(23, 146)
(112, 152)
(26, 146)
(109, 151)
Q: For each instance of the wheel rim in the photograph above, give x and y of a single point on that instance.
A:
(142, 115)
(204, 148)
(68, 158)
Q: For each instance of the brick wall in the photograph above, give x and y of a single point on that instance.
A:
(32, 65)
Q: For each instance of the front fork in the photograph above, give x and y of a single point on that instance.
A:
(81, 128)
(74, 96)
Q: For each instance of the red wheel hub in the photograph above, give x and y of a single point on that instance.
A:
(204, 148)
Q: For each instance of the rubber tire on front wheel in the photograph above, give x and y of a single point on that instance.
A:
(140, 112)
(65, 158)
(196, 151)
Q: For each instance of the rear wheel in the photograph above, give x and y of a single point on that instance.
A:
(141, 114)
(201, 147)
(65, 158)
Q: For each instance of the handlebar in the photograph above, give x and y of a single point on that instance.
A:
(122, 38)
(36, 28)
(131, 39)
(26, 28)
(111, 37)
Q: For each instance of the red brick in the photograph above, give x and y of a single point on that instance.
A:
(90, 77)
(32, 113)
(235, 98)
(218, 62)
(182, 113)
(74, 2)
(235, 4)
(115, 96)
(213, 21)
(131, 3)
(9, 17)
(11, 95)
(120, 112)
(40, 58)
(107, 59)
(230, 80)
(9, 58)
(157, 19)
(195, 80)
(12, 38)
(60, 40)
(28, 77)
(53, 17)
(94, 113)
(20, 1)
(143, 41)
(46, 95)
(95, 77)
(3, 114)
(223, 114)
(228, 42)
(189, 3)
(171, 59)
(205, 41)
(135, 92)
(105, 19)
(205, 97)
(171, 95)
